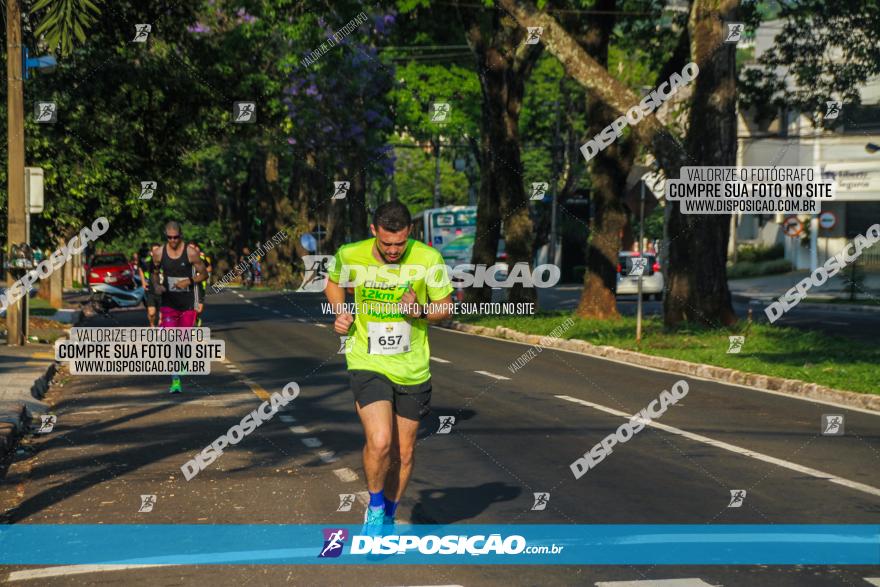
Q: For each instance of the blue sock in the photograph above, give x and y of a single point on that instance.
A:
(377, 500)
(390, 507)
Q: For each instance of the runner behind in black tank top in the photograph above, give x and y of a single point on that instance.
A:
(174, 269)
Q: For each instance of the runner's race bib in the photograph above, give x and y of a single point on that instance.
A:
(388, 338)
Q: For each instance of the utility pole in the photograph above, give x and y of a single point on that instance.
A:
(17, 213)
(641, 256)
(551, 250)
(437, 172)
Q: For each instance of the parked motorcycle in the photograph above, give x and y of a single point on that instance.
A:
(106, 297)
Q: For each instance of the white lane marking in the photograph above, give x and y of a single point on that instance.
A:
(439, 360)
(286, 419)
(248, 301)
(311, 442)
(345, 474)
(656, 583)
(235, 369)
(492, 375)
(300, 319)
(736, 449)
(288, 316)
(299, 429)
(239, 295)
(71, 570)
(319, 325)
(665, 372)
(328, 456)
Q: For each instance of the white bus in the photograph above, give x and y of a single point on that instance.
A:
(450, 230)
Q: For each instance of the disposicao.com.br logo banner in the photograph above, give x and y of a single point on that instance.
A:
(459, 544)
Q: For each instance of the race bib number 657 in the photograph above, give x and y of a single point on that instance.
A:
(388, 338)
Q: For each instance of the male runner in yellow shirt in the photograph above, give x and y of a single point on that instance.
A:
(388, 354)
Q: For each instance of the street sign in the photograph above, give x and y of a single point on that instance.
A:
(792, 226)
(309, 242)
(33, 185)
(827, 220)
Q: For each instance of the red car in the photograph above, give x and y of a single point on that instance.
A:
(112, 269)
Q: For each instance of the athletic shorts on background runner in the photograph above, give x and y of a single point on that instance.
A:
(171, 318)
(151, 299)
(412, 402)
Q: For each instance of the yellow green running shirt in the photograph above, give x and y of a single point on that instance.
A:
(375, 320)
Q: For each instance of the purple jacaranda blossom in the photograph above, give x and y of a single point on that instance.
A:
(198, 28)
(312, 90)
(243, 16)
(355, 130)
(383, 23)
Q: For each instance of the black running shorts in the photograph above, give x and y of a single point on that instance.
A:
(151, 299)
(412, 402)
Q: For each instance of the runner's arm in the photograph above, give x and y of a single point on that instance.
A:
(335, 294)
(441, 309)
(197, 263)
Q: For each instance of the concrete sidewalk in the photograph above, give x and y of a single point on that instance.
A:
(25, 373)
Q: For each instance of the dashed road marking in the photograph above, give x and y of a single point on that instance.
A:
(328, 456)
(735, 449)
(492, 375)
(345, 474)
(286, 419)
(656, 583)
(311, 442)
(439, 360)
(71, 570)
(319, 325)
(299, 429)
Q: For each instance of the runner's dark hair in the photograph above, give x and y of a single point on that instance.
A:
(392, 216)
(175, 225)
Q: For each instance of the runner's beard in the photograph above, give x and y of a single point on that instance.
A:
(386, 259)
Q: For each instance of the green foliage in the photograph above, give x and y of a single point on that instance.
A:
(757, 268)
(778, 351)
(758, 253)
(415, 180)
(64, 21)
(822, 50)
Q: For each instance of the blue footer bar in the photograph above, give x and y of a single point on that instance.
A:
(460, 544)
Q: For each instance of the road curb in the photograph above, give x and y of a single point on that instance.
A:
(791, 387)
(15, 422)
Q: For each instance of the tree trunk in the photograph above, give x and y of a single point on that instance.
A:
(697, 276)
(357, 201)
(608, 171)
(504, 63)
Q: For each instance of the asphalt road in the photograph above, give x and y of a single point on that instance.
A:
(118, 438)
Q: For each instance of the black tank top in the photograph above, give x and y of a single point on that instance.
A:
(179, 299)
